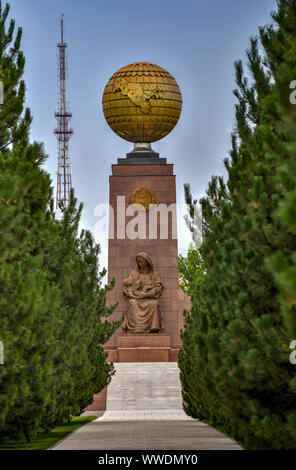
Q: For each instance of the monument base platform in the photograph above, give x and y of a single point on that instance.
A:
(143, 347)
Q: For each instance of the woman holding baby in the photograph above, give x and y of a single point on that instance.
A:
(143, 288)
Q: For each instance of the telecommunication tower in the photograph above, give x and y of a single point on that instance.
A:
(63, 131)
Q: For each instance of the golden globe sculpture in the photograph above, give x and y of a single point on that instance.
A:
(142, 102)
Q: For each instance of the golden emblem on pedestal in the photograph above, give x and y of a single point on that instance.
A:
(142, 197)
(142, 102)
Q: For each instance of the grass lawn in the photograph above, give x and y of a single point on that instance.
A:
(45, 440)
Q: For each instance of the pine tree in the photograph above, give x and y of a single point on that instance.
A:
(243, 324)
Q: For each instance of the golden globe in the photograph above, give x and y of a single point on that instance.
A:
(142, 102)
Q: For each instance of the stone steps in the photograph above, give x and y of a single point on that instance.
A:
(164, 405)
(141, 390)
(145, 386)
(124, 394)
(145, 415)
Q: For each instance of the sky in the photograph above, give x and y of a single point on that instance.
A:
(197, 41)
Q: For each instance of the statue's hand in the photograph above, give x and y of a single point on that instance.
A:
(148, 288)
(142, 296)
(155, 293)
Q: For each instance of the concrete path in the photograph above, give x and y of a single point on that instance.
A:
(146, 434)
(144, 411)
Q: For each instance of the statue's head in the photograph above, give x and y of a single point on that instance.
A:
(144, 263)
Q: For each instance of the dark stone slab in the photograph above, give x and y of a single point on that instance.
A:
(142, 158)
(142, 153)
(142, 161)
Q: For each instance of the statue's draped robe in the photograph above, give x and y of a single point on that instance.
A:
(143, 315)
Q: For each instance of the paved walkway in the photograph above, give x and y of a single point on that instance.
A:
(144, 411)
(150, 430)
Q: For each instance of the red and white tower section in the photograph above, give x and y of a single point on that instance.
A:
(63, 131)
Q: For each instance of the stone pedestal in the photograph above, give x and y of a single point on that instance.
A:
(144, 348)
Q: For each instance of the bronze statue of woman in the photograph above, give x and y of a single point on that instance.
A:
(143, 288)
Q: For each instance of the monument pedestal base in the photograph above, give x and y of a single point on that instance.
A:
(143, 347)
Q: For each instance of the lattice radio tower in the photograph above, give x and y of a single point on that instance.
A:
(63, 131)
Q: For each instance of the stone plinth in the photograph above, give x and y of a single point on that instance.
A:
(144, 348)
(142, 339)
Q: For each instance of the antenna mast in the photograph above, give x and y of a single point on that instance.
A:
(63, 132)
